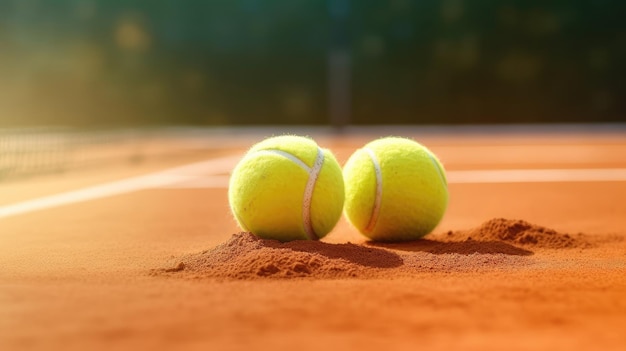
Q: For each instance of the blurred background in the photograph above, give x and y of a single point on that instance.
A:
(93, 65)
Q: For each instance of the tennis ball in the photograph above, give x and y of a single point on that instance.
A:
(287, 188)
(396, 190)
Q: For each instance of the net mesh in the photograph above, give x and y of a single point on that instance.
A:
(33, 151)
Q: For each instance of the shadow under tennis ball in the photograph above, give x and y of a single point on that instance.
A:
(467, 247)
(357, 254)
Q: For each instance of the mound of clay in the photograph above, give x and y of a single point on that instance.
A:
(521, 233)
(497, 244)
(246, 256)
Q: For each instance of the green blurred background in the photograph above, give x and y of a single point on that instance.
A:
(311, 62)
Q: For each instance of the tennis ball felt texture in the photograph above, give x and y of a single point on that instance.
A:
(396, 190)
(287, 188)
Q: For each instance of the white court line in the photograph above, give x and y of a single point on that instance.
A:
(215, 182)
(211, 174)
(537, 175)
(473, 177)
(154, 180)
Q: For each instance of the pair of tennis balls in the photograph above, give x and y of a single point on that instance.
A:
(288, 188)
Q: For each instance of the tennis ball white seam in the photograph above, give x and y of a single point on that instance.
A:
(285, 154)
(313, 173)
(438, 169)
(379, 190)
(308, 195)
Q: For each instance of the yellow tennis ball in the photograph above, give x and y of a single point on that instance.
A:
(287, 188)
(396, 190)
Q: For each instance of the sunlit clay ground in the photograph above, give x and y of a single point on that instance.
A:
(531, 254)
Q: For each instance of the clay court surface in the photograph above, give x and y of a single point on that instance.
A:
(104, 272)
